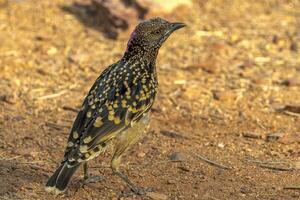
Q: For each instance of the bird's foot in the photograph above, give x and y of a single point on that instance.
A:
(87, 180)
(93, 179)
(141, 191)
(137, 191)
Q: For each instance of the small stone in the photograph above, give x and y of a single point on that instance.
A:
(226, 96)
(157, 196)
(177, 157)
(52, 51)
(171, 182)
(180, 82)
(192, 93)
(10, 99)
(253, 135)
(274, 136)
(246, 64)
(221, 145)
(26, 152)
(141, 154)
(275, 39)
(294, 46)
(173, 134)
(290, 82)
(34, 167)
(184, 168)
(18, 118)
(245, 190)
(208, 66)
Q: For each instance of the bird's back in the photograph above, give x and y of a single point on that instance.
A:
(120, 97)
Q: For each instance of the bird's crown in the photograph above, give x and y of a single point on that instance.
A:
(150, 34)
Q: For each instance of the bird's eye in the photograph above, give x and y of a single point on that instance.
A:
(156, 32)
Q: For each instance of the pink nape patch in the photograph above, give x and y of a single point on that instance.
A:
(132, 37)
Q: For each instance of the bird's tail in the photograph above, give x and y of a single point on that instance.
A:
(58, 182)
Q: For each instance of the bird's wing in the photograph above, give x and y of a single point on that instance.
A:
(82, 118)
(107, 110)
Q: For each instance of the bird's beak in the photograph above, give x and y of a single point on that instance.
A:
(173, 27)
(176, 25)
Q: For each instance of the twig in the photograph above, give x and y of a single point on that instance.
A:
(292, 187)
(55, 126)
(49, 96)
(70, 109)
(268, 165)
(267, 162)
(7, 159)
(211, 162)
(291, 113)
(136, 164)
(155, 163)
(31, 162)
(276, 168)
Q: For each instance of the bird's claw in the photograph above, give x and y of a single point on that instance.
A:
(93, 179)
(141, 191)
(137, 191)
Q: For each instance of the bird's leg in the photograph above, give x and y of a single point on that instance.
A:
(86, 174)
(87, 177)
(122, 143)
(115, 163)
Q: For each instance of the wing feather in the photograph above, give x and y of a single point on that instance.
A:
(113, 104)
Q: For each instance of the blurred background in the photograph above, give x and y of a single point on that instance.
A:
(229, 91)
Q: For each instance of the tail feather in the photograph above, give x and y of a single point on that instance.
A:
(59, 180)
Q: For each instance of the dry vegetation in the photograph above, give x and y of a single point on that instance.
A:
(229, 92)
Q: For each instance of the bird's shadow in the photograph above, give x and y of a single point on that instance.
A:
(141, 11)
(99, 17)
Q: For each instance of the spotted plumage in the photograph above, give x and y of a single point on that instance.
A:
(120, 97)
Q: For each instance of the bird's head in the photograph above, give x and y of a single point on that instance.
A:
(150, 34)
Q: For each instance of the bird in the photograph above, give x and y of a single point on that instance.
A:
(116, 109)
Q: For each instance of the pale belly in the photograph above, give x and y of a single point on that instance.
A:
(125, 139)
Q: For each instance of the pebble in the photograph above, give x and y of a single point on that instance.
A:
(294, 47)
(221, 145)
(228, 96)
(11, 99)
(274, 136)
(184, 168)
(141, 154)
(293, 81)
(173, 182)
(253, 135)
(157, 196)
(177, 157)
(52, 51)
(245, 190)
(173, 134)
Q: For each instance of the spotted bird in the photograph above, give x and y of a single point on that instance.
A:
(116, 108)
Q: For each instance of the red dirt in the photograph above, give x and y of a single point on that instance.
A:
(222, 81)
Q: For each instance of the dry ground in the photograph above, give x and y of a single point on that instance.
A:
(223, 82)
